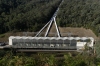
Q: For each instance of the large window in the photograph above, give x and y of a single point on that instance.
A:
(40, 41)
(59, 41)
(66, 41)
(46, 41)
(53, 41)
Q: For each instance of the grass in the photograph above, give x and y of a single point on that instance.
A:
(2, 35)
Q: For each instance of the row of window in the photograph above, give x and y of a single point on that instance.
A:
(42, 45)
(46, 41)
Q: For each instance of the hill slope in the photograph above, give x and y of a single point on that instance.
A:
(25, 15)
(80, 13)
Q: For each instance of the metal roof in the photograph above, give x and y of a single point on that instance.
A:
(51, 38)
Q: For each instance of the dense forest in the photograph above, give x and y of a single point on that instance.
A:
(48, 59)
(80, 13)
(32, 15)
(25, 15)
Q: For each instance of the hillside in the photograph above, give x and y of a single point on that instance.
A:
(32, 15)
(80, 13)
(25, 15)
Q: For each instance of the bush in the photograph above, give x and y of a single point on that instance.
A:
(2, 35)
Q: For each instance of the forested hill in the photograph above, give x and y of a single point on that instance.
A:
(25, 15)
(80, 13)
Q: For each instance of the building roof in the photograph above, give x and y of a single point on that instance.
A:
(51, 38)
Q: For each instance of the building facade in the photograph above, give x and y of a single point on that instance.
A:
(66, 43)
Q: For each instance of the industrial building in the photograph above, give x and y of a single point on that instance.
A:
(67, 43)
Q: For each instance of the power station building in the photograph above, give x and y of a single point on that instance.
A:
(61, 43)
